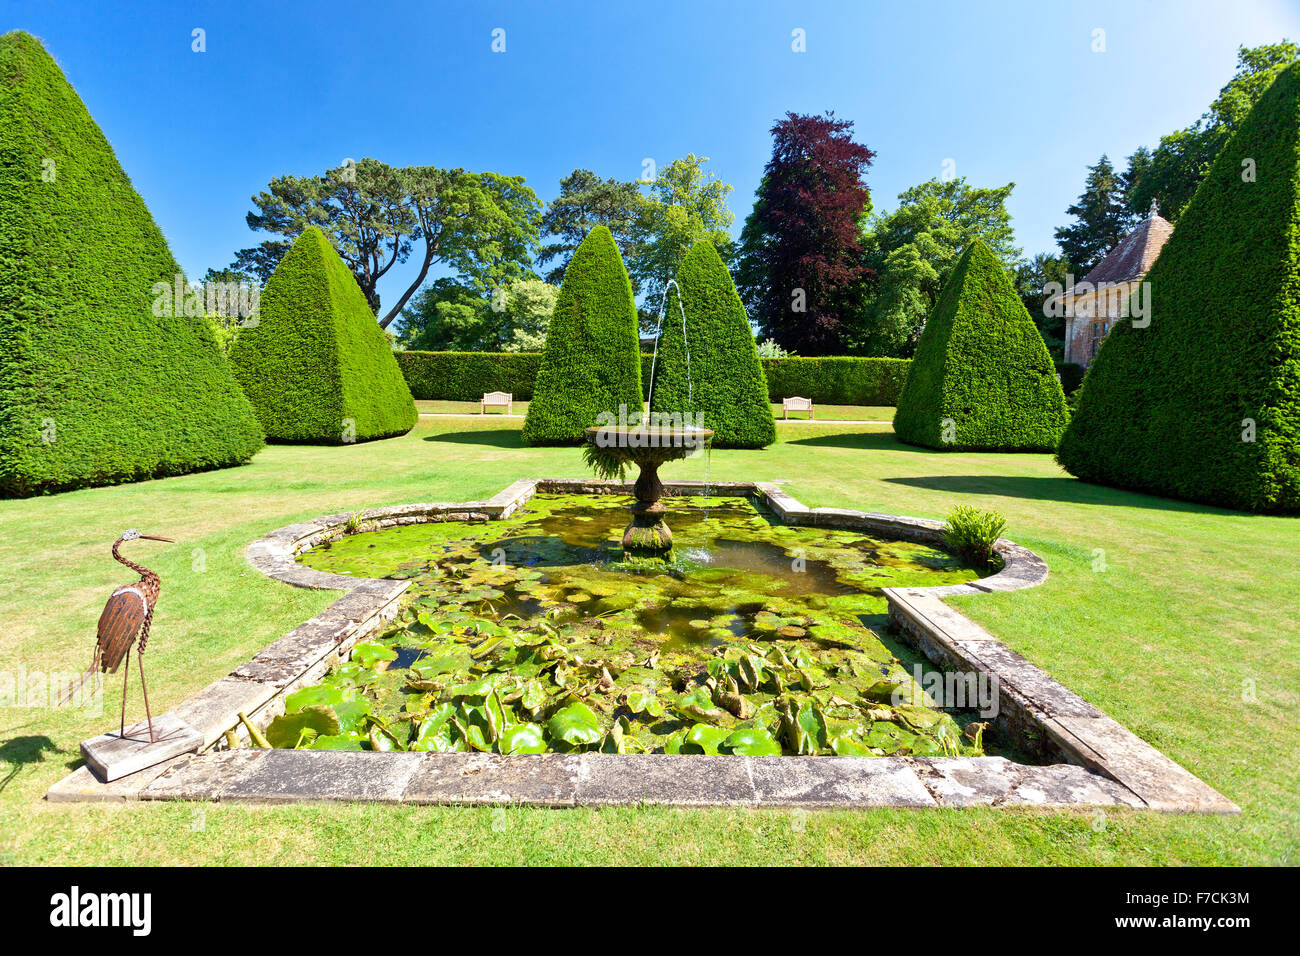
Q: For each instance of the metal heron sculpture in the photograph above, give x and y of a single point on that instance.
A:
(129, 612)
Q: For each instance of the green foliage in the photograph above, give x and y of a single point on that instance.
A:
(465, 376)
(484, 226)
(1172, 171)
(1102, 219)
(982, 376)
(770, 348)
(95, 387)
(837, 380)
(591, 361)
(1031, 277)
(685, 204)
(450, 316)
(603, 462)
(317, 367)
(914, 250)
(972, 533)
(1071, 374)
(1204, 402)
(586, 201)
(724, 381)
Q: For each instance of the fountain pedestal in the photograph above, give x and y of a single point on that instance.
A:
(647, 534)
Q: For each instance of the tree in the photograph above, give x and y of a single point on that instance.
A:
(1103, 219)
(108, 370)
(449, 316)
(1199, 399)
(715, 372)
(483, 226)
(586, 201)
(684, 205)
(316, 367)
(801, 252)
(982, 378)
(592, 360)
(1172, 171)
(911, 252)
(1031, 277)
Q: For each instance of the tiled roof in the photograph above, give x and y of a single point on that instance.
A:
(1135, 254)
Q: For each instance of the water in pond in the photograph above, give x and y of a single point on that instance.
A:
(530, 635)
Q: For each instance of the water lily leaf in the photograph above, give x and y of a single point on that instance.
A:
(321, 694)
(848, 747)
(435, 724)
(643, 701)
(522, 739)
(751, 742)
(352, 714)
(293, 730)
(370, 653)
(703, 738)
(698, 705)
(575, 724)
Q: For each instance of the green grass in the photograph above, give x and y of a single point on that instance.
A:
(852, 413)
(1193, 602)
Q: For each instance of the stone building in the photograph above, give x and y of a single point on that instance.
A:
(1092, 306)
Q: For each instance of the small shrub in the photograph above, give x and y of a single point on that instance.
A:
(972, 534)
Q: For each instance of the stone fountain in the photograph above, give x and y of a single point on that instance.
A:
(647, 446)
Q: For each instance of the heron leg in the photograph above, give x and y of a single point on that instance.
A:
(126, 670)
(139, 664)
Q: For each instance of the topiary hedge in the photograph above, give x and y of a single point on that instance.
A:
(1203, 403)
(591, 363)
(317, 367)
(982, 377)
(95, 388)
(714, 374)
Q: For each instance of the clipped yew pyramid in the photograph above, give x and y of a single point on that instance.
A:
(95, 388)
(982, 378)
(1203, 403)
(723, 382)
(591, 362)
(317, 366)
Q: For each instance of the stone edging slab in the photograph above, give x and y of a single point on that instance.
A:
(1104, 764)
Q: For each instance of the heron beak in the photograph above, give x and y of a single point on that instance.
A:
(154, 537)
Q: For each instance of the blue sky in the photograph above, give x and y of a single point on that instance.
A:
(1010, 91)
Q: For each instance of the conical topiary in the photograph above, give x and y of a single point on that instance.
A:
(1201, 400)
(982, 378)
(317, 366)
(724, 383)
(95, 388)
(592, 362)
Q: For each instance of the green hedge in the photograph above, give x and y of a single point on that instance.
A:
(1167, 408)
(590, 362)
(317, 367)
(716, 375)
(465, 376)
(844, 380)
(1071, 374)
(981, 368)
(95, 388)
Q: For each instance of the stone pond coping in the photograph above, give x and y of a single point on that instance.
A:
(1101, 763)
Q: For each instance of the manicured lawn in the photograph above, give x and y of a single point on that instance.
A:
(855, 413)
(1191, 605)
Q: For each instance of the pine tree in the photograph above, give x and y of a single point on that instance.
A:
(1103, 219)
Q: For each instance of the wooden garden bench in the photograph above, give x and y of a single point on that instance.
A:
(504, 400)
(797, 404)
